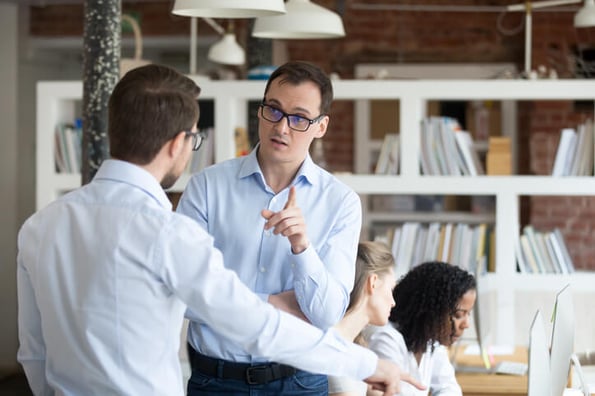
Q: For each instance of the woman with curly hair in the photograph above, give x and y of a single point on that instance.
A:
(433, 304)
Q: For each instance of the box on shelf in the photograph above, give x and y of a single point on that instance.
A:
(499, 157)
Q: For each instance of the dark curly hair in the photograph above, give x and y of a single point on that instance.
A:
(426, 298)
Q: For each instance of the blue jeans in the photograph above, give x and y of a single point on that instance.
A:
(201, 383)
(301, 383)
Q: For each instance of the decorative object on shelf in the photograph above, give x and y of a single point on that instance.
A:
(127, 64)
(228, 8)
(303, 20)
(499, 158)
(585, 17)
(242, 142)
(226, 51)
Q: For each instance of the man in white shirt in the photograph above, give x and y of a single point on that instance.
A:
(106, 272)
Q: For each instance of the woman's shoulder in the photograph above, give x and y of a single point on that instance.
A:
(388, 330)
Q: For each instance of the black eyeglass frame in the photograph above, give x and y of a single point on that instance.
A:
(286, 115)
(198, 138)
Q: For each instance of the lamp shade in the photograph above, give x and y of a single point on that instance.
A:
(585, 17)
(228, 8)
(303, 20)
(227, 51)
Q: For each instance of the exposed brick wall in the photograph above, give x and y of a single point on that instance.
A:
(408, 36)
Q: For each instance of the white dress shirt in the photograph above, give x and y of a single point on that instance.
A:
(227, 199)
(346, 384)
(104, 277)
(434, 369)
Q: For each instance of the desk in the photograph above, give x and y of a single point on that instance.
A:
(482, 384)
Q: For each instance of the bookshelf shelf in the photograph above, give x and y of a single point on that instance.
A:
(427, 217)
(60, 102)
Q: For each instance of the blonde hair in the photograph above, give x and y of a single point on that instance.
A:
(372, 258)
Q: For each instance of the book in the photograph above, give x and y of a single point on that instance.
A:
(520, 259)
(448, 126)
(382, 165)
(559, 240)
(528, 255)
(564, 152)
(406, 246)
(465, 145)
(432, 243)
(587, 160)
(393, 156)
(444, 253)
(529, 231)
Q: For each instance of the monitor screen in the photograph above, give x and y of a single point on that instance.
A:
(539, 359)
(562, 344)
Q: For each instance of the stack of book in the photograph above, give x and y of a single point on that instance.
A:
(543, 252)
(461, 244)
(447, 149)
(67, 147)
(575, 152)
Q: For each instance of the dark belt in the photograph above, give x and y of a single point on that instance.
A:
(253, 374)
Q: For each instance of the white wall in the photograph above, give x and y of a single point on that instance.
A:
(8, 183)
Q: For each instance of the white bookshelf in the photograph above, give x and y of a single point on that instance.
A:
(57, 102)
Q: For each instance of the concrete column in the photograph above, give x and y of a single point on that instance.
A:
(101, 68)
(9, 34)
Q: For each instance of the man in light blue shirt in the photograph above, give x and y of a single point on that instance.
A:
(106, 272)
(287, 227)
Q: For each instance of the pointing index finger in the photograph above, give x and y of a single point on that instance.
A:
(290, 198)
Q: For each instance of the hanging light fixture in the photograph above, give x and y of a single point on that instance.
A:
(585, 17)
(227, 51)
(303, 20)
(228, 8)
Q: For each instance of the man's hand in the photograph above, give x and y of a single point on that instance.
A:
(388, 377)
(288, 222)
(286, 301)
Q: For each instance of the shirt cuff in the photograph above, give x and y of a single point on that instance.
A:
(302, 264)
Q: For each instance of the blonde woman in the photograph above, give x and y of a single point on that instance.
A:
(370, 302)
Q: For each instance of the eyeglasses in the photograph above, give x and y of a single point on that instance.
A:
(197, 138)
(295, 122)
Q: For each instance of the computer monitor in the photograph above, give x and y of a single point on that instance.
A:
(562, 344)
(539, 360)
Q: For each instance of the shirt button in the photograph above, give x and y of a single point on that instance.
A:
(262, 269)
(268, 232)
(292, 265)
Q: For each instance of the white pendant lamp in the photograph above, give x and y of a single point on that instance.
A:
(303, 20)
(227, 51)
(585, 17)
(228, 8)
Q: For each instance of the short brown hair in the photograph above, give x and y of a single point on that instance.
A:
(149, 106)
(297, 72)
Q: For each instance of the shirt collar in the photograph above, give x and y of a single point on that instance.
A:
(308, 171)
(134, 175)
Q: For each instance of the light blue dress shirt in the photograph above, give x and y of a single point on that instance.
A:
(227, 199)
(104, 276)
